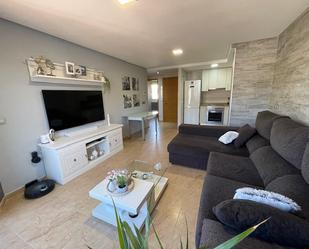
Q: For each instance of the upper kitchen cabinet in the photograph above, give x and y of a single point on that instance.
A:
(217, 79)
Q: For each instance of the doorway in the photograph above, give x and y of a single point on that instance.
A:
(170, 99)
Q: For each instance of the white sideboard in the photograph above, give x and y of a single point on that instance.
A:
(70, 156)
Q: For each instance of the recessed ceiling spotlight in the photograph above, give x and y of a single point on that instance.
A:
(158, 72)
(126, 1)
(177, 51)
(214, 65)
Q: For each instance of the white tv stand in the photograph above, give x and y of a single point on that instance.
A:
(69, 157)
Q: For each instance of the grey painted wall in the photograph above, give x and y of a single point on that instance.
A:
(253, 77)
(21, 102)
(290, 91)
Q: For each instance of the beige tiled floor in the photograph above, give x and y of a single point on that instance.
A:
(63, 219)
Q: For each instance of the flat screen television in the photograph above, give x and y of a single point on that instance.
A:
(67, 109)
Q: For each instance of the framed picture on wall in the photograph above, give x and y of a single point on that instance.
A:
(69, 68)
(127, 101)
(136, 100)
(126, 86)
(135, 84)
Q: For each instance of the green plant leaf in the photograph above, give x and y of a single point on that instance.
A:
(140, 238)
(187, 243)
(157, 237)
(238, 238)
(123, 242)
(132, 238)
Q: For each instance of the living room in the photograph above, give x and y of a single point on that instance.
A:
(182, 110)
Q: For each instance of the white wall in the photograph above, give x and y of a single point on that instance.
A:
(21, 101)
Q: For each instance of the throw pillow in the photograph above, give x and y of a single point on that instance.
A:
(245, 133)
(268, 198)
(228, 137)
(282, 228)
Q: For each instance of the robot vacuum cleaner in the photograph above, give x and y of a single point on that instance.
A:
(36, 188)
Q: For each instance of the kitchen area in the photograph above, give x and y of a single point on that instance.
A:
(207, 95)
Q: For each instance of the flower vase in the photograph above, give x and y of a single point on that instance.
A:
(122, 189)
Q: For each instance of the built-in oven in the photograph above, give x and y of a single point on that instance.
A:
(214, 115)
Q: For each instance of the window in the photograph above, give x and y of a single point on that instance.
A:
(154, 90)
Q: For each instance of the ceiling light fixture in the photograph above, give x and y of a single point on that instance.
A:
(177, 51)
(158, 72)
(125, 1)
(214, 65)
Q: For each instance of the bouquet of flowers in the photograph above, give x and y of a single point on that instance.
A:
(118, 180)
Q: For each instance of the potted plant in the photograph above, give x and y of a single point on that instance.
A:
(118, 180)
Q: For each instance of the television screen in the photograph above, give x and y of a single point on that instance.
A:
(66, 109)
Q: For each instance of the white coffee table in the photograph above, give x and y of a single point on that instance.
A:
(143, 197)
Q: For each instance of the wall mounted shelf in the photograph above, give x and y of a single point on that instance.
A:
(61, 77)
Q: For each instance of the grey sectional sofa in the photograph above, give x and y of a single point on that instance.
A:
(276, 158)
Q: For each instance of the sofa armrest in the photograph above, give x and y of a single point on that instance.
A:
(204, 130)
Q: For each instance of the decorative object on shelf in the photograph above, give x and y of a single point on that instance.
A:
(44, 139)
(95, 153)
(40, 61)
(42, 70)
(83, 70)
(97, 75)
(78, 70)
(119, 181)
(69, 68)
(105, 82)
(108, 119)
(126, 86)
(51, 134)
(50, 65)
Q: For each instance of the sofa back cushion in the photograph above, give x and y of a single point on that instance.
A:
(264, 122)
(283, 228)
(294, 187)
(256, 142)
(305, 165)
(271, 165)
(289, 139)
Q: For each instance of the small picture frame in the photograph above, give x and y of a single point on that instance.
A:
(69, 68)
(78, 70)
(83, 70)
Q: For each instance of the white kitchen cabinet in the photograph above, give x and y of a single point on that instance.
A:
(217, 79)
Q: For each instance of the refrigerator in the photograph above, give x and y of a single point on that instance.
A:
(192, 98)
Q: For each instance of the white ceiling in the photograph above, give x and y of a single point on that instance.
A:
(145, 32)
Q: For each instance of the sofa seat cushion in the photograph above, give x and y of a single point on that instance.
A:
(270, 165)
(256, 142)
(283, 228)
(264, 122)
(294, 187)
(234, 168)
(214, 233)
(289, 139)
(198, 146)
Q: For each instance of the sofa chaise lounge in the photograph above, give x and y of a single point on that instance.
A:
(275, 159)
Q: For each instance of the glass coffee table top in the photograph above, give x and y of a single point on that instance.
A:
(146, 171)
